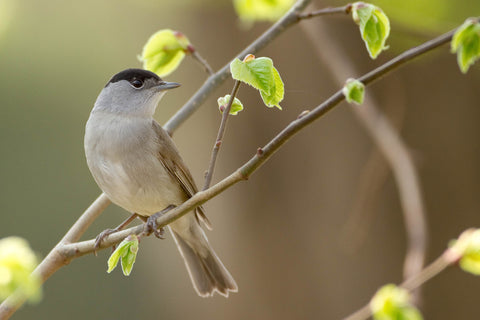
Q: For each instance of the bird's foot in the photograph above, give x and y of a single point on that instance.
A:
(101, 237)
(151, 225)
(107, 232)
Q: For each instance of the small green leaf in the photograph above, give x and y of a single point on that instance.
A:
(164, 51)
(236, 107)
(354, 91)
(374, 26)
(114, 259)
(17, 262)
(257, 72)
(276, 95)
(393, 303)
(410, 313)
(262, 10)
(127, 252)
(466, 43)
(467, 247)
(262, 75)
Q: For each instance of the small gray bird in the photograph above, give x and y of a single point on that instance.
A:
(136, 164)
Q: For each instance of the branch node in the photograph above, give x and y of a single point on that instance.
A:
(243, 175)
(303, 114)
(260, 152)
(190, 48)
(348, 8)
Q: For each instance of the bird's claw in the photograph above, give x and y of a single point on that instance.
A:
(151, 226)
(99, 239)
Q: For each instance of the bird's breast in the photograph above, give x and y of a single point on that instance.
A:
(122, 156)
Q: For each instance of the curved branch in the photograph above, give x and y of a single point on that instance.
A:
(197, 57)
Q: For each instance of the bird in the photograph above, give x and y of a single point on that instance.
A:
(136, 164)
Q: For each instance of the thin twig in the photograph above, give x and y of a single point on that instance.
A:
(414, 282)
(221, 132)
(428, 273)
(407, 56)
(326, 11)
(201, 60)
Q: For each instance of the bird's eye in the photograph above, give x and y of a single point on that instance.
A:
(136, 83)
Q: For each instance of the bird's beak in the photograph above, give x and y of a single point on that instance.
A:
(167, 85)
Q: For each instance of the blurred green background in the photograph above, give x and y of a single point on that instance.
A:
(281, 233)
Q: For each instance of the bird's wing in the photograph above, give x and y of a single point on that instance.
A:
(177, 169)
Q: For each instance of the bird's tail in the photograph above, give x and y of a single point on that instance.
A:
(207, 272)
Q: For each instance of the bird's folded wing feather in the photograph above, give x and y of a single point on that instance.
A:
(177, 169)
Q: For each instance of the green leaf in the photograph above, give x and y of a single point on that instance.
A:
(236, 107)
(262, 10)
(257, 72)
(393, 303)
(374, 26)
(410, 313)
(466, 43)
(273, 98)
(164, 51)
(262, 75)
(17, 262)
(126, 252)
(354, 91)
(467, 247)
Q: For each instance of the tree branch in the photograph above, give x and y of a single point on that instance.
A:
(327, 11)
(200, 60)
(221, 132)
(407, 56)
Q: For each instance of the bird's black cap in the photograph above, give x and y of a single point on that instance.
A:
(132, 74)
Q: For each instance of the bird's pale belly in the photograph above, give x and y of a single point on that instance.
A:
(145, 191)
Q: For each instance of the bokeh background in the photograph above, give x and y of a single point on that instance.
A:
(283, 233)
